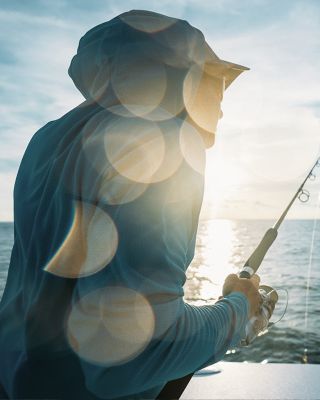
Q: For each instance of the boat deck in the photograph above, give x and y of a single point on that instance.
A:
(229, 381)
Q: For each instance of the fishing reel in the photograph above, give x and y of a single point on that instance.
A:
(259, 323)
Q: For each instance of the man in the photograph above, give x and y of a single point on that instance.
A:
(107, 201)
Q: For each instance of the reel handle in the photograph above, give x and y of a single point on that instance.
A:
(254, 261)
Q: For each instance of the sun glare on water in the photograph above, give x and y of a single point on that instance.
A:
(213, 260)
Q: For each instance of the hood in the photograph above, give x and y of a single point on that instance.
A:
(136, 58)
(139, 60)
(133, 37)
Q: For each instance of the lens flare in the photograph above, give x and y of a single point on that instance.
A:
(169, 109)
(116, 189)
(111, 187)
(147, 22)
(98, 88)
(127, 154)
(179, 48)
(139, 82)
(110, 326)
(202, 94)
(192, 147)
(135, 148)
(90, 245)
(173, 156)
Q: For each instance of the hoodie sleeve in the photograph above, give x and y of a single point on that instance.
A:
(200, 337)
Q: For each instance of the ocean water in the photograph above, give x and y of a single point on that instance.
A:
(291, 266)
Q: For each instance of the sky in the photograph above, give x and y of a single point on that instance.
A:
(269, 136)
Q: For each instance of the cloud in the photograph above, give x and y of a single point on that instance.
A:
(8, 165)
(314, 106)
(270, 126)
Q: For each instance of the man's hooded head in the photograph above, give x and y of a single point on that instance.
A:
(150, 65)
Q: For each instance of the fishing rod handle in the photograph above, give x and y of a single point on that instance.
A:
(254, 261)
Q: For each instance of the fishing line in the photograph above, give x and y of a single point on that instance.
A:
(315, 222)
(285, 308)
(271, 324)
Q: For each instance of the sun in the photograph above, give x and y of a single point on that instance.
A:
(223, 177)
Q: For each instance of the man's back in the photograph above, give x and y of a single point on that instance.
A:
(155, 245)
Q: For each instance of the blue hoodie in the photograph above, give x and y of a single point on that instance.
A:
(104, 231)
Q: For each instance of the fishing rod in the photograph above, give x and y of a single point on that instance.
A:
(253, 263)
(269, 297)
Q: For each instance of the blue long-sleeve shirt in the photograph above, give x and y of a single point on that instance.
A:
(93, 305)
(156, 241)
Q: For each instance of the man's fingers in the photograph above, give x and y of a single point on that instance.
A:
(229, 284)
(249, 287)
(231, 278)
(255, 279)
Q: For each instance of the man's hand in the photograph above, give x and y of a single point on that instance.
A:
(249, 287)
